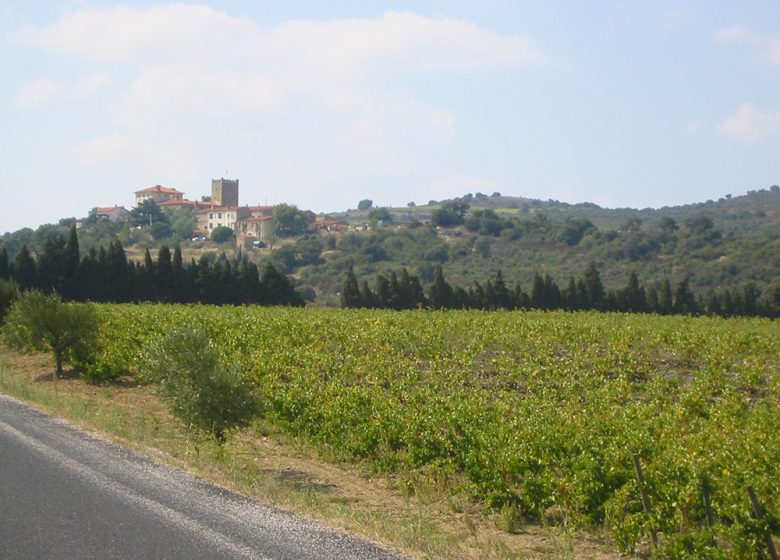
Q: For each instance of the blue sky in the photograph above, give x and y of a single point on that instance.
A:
(321, 104)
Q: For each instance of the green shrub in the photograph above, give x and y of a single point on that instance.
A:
(43, 322)
(201, 391)
(9, 291)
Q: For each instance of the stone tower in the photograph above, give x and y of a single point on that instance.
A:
(224, 192)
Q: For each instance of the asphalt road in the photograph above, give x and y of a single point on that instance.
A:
(67, 495)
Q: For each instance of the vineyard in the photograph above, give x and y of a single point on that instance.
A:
(538, 414)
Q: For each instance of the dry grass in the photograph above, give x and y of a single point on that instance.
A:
(404, 513)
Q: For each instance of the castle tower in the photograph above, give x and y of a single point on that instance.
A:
(224, 192)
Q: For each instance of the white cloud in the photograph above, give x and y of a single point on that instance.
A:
(750, 124)
(107, 149)
(318, 102)
(39, 91)
(36, 92)
(409, 40)
(768, 46)
(124, 34)
(89, 85)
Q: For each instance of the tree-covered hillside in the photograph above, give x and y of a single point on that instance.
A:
(731, 243)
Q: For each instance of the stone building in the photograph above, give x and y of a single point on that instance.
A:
(224, 192)
(214, 216)
(158, 193)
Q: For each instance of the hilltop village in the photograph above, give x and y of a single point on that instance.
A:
(220, 209)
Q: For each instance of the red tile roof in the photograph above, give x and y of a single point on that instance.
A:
(159, 189)
(108, 209)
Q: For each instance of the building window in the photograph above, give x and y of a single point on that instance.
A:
(220, 215)
(210, 225)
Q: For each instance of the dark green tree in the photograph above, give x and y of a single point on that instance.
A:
(289, 220)
(221, 234)
(23, 270)
(5, 265)
(450, 214)
(634, 298)
(440, 295)
(502, 297)
(350, 291)
(147, 214)
(665, 303)
(9, 292)
(277, 289)
(164, 274)
(594, 287)
(684, 300)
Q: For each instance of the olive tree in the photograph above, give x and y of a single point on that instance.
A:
(200, 390)
(37, 321)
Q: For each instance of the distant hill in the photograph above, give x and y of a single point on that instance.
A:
(720, 244)
(728, 243)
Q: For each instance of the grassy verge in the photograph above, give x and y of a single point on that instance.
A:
(402, 512)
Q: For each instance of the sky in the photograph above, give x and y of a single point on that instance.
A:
(322, 104)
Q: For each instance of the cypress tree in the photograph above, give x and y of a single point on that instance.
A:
(713, 303)
(416, 291)
(652, 300)
(383, 293)
(278, 288)
(396, 298)
(164, 274)
(665, 304)
(440, 293)
(52, 265)
(582, 295)
(594, 287)
(145, 278)
(538, 293)
(118, 285)
(89, 279)
(635, 299)
(477, 296)
(5, 266)
(728, 304)
(350, 291)
(24, 269)
(569, 296)
(461, 298)
(180, 292)
(552, 293)
(367, 297)
(749, 300)
(522, 300)
(490, 295)
(406, 295)
(684, 300)
(72, 260)
(502, 295)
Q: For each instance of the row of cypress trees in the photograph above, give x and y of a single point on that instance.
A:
(404, 291)
(106, 275)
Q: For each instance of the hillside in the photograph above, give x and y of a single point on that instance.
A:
(716, 244)
(725, 244)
